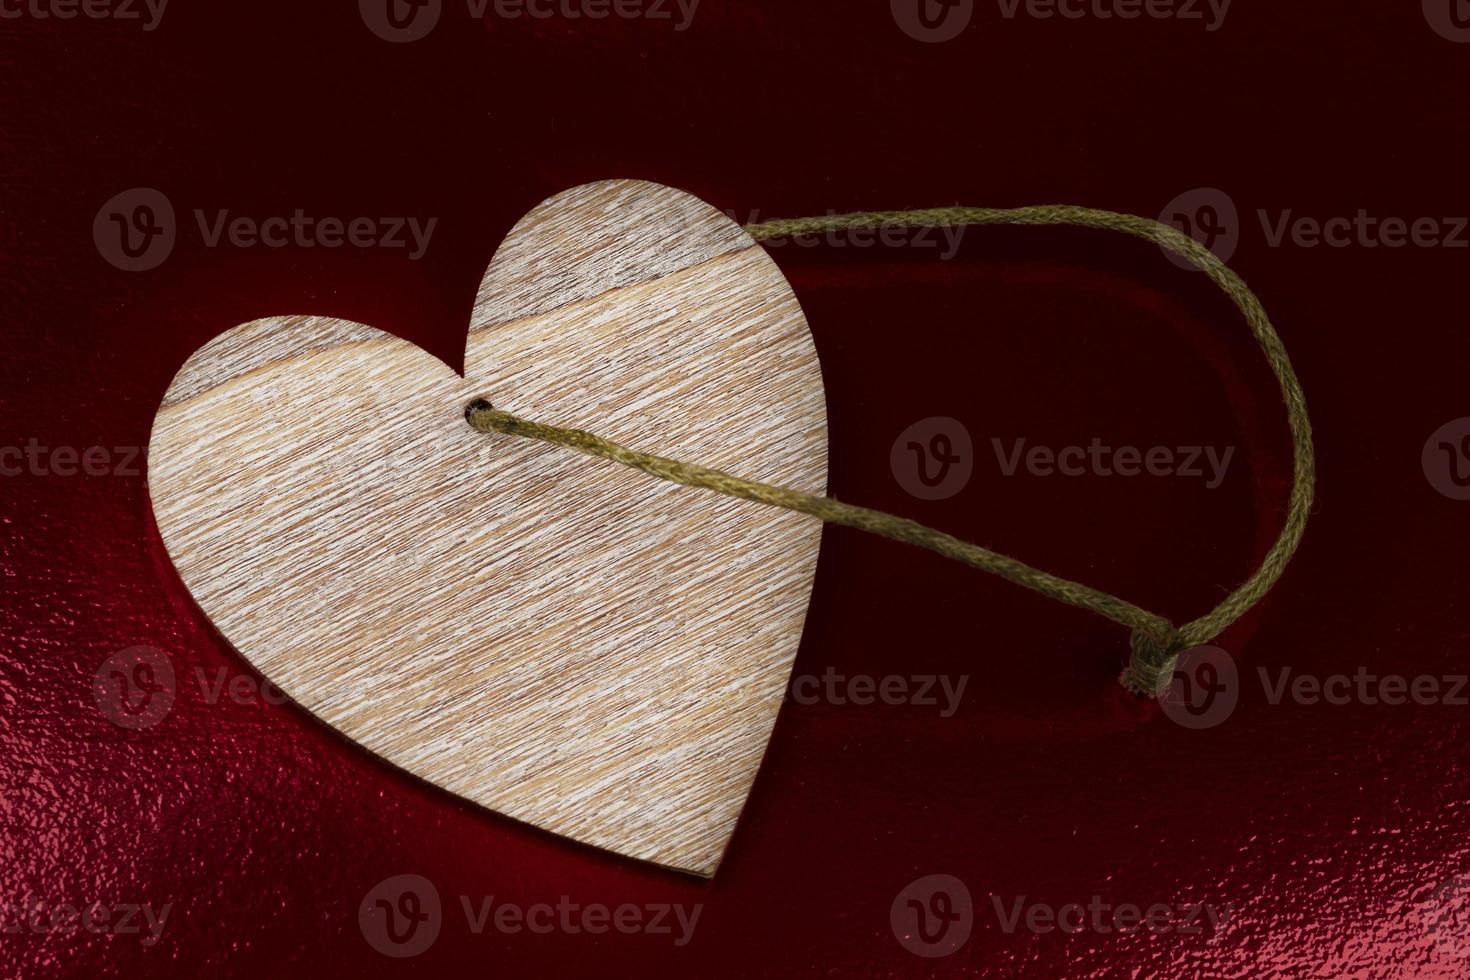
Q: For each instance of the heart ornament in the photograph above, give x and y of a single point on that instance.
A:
(559, 639)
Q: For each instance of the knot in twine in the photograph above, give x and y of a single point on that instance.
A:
(1151, 666)
(1156, 643)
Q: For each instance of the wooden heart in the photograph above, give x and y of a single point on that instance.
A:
(560, 639)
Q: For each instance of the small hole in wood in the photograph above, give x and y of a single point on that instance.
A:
(478, 405)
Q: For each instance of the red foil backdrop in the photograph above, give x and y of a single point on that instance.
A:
(1330, 838)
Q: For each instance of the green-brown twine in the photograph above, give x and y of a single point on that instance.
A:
(1156, 643)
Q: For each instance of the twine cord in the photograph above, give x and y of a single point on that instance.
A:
(1156, 643)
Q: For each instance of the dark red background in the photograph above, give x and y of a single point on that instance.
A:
(1329, 829)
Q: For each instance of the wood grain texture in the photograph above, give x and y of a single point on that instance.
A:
(560, 639)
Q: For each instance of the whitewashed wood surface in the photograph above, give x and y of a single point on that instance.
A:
(567, 642)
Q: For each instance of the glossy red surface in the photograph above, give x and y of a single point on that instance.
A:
(1335, 833)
